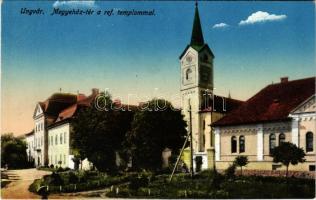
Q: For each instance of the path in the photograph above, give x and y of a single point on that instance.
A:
(20, 182)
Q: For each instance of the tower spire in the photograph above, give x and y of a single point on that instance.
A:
(197, 34)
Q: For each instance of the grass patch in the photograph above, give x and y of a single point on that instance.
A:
(212, 185)
(72, 181)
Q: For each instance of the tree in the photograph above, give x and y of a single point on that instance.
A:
(13, 151)
(241, 161)
(155, 128)
(288, 153)
(98, 135)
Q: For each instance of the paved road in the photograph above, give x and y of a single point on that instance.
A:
(21, 180)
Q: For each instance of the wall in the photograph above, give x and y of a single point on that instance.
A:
(30, 151)
(39, 141)
(251, 144)
(59, 151)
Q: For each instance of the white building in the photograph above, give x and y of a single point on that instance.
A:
(284, 111)
(49, 142)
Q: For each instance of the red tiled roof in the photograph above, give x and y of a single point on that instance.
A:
(272, 103)
(67, 112)
(82, 101)
(222, 104)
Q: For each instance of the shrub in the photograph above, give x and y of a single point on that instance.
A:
(51, 166)
(35, 185)
(216, 180)
(140, 181)
(55, 179)
(230, 171)
(59, 169)
(241, 161)
(72, 178)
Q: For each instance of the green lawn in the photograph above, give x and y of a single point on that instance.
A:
(204, 185)
(210, 185)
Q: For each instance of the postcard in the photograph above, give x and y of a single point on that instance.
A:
(158, 99)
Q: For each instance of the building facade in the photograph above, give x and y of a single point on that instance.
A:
(281, 112)
(50, 141)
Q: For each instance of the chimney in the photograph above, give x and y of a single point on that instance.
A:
(284, 79)
(95, 91)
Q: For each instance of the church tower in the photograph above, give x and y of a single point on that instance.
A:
(196, 81)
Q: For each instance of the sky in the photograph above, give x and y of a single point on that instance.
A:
(255, 43)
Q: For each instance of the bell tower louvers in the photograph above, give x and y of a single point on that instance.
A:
(196, 80)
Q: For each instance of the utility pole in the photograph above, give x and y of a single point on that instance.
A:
(191, 140)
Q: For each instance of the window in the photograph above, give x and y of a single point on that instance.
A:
(64, 137)
(61, 138)
(64, 159)
(234, 144)
(309, 142)
(51, 140)
(241, 144)
(312, 168)
(271, 142)
(205, 58)
(56, 140)
(188, 74)
(281, 138)
(48, 142)
(55, 159)
(203, 124)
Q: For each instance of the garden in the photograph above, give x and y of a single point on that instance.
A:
(206, 184)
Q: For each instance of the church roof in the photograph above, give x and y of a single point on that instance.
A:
(222, 104)
(197, 34)
(272, 103)
(197, 39)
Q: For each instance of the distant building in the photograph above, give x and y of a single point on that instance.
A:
(49, 142)
(284, 111)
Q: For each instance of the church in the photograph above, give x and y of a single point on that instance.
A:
(223, 128)
(198, 98)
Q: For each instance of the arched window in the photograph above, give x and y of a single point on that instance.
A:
(234, 144)
(188, 74)
(271, 142)
(281, 138)
(309, 141)
(241, 144)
